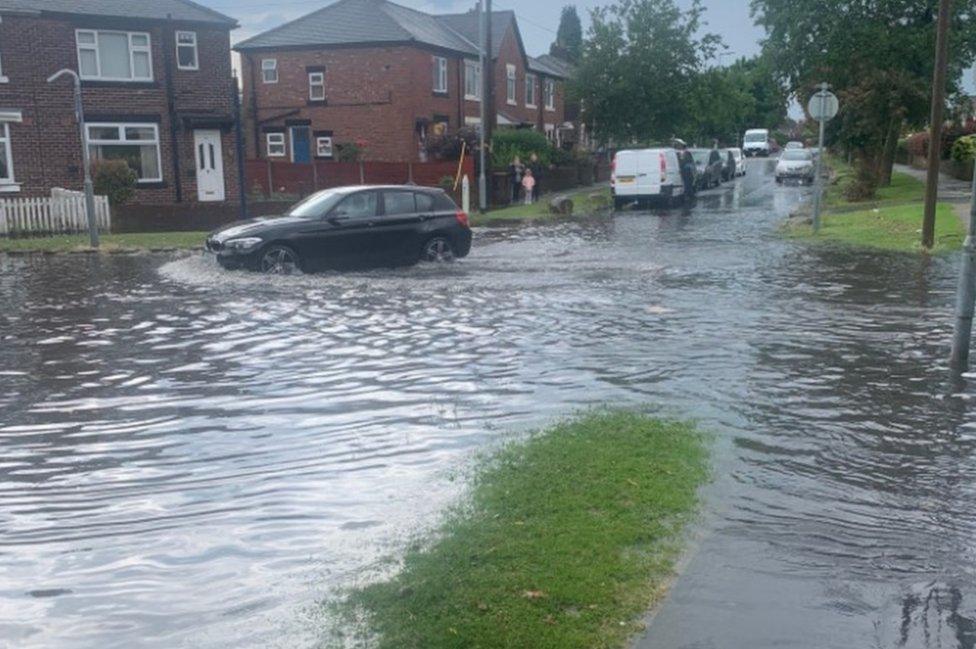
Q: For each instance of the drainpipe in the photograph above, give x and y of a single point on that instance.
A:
(254, 106)
(171, 107)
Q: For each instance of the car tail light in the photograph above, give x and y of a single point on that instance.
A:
(613, 171)
(664, 168)
(462, 218)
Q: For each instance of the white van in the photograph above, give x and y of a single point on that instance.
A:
(645, 175)
(756, 142)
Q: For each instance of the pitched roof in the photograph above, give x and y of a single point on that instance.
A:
(184, 10)
(551, 65)
(468, 25)
(347, 22)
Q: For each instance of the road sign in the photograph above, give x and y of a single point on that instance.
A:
(823, 106)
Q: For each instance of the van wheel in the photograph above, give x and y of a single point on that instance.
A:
(280, 260)
(437, 249)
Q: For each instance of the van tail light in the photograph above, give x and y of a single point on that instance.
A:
(462, 218)
(613, 171)
(664, 168)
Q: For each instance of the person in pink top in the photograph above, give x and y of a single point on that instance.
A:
(528, 184)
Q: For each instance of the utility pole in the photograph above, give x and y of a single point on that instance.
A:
(936, 119)
(966, 294)
(85, 154)
(488, 95)
(482, 182)
(239, 145)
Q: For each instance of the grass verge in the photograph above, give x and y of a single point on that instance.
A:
(903, 189)
(896, 228)
(109, 242)
(586, 200)
(566, 540)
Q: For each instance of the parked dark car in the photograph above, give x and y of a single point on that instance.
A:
(709, 164)
(729, 170)
(348, 227)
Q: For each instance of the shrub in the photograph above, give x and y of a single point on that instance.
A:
(506, 144)
(918, 144)
(864, 183)
(446, 183)
(964, 148)
(114, 178)
(350, 152)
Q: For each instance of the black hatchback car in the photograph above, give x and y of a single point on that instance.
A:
(348, 227)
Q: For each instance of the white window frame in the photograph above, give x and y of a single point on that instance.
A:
(320, 142)
(268, 144)
(3, 79)
(511, 87)
(147, 48)
(122, 126)
(265, 68)
(549, 94)
(530, 87)
(440, 75)
(316, 80)
(472, 69)
(8, 184)
(196, 50)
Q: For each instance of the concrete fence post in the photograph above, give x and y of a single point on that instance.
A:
(466, 194)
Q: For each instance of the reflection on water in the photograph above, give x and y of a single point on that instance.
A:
(190, 457)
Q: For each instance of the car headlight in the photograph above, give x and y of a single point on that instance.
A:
(242, 245)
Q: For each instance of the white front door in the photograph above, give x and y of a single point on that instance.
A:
(210, 165)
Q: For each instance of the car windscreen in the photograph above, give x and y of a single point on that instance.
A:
(796, 154)
(701, 155)
(317, 205)
(755, 137)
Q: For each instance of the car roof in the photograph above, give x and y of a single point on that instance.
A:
(415, 188)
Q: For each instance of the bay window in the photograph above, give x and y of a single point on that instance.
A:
(472, 80)
(136, 144)
(113, 55)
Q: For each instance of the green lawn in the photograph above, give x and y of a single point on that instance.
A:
(896, 227)
(582, 205)
(903, 188)
(566, 540)
(109, 242)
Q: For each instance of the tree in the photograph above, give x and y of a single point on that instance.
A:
(641, 62)
(877, 55)
(569, 37)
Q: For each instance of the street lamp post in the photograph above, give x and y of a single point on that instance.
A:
(85, 156)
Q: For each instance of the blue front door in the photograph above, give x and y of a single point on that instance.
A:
(301, 144)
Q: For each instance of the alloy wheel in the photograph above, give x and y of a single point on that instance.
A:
(279, 260)
(438, 249)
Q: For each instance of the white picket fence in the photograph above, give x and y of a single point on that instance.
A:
(61, 213)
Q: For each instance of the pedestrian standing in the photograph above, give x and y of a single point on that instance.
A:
(536, 167)
(528, 184)
(515, 172)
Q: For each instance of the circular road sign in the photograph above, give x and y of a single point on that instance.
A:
(830, 105)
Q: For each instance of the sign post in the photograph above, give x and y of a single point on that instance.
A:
(823, 106)
(966, 294)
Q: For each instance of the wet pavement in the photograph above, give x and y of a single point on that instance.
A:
(190, 457)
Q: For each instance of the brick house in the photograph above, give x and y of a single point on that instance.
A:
(376, 72)
(157, 91)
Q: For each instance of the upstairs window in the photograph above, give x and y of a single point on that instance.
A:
(549, 94)
(316, 86)
(3, 79)
(114, 56)
(440, 75)
(530, 91)
(186, 51)
(472, 80)
(269, 70)
(510, 84)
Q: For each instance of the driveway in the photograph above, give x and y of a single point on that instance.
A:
(199, 458)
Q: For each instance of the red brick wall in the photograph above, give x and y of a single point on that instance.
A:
(46, 145)
(373, 94)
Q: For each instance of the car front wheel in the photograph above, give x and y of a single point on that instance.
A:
(279, 260)
(437, 249)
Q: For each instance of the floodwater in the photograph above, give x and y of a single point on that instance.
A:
(196, 458)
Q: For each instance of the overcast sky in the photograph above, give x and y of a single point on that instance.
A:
(537, 19)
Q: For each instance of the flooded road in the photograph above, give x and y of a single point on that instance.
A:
(196, 458)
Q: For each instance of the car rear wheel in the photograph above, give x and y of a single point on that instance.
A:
(437, 249)
(280, 260)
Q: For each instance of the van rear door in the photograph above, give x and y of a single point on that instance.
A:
(626, 173)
